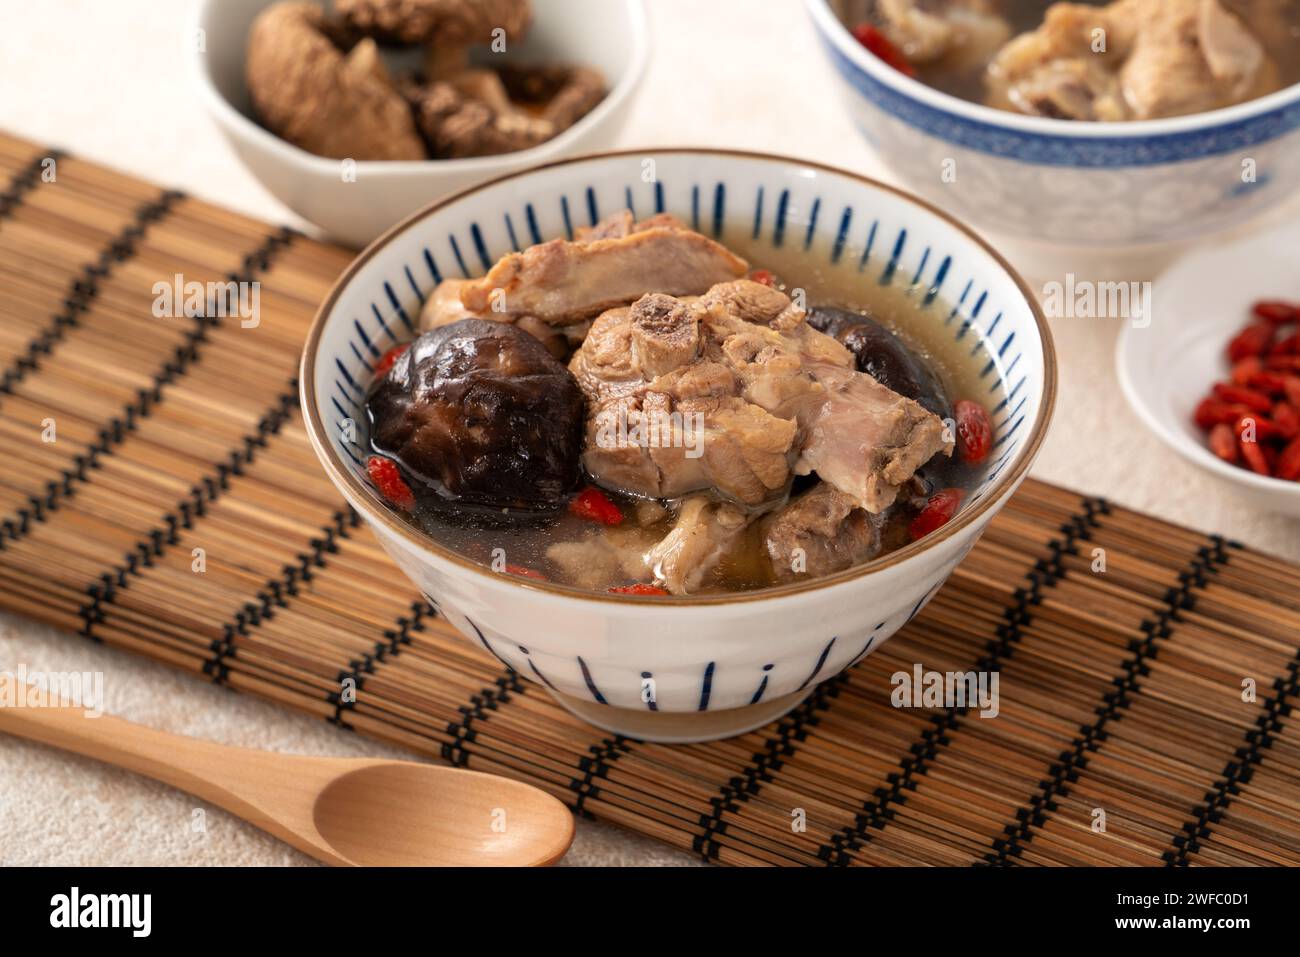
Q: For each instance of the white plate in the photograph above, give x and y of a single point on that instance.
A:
(1198, 304)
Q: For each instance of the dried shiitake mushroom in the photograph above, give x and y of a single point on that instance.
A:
(319, 96)
(436, 22)
(478, 112)
(320, 83)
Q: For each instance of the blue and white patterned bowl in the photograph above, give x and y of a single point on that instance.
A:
(1065, 182)
(681, 669)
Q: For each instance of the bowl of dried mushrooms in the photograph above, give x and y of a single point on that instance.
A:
(356, 112)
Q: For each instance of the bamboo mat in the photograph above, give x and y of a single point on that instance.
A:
(1121, 691)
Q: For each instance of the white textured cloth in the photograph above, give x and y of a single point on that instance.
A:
(109, 82)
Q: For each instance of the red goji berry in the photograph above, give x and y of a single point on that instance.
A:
(1287, 420)
(1287, 346)
(1223, 443)
(594, 505)
(763, 276)
(1268, 380)
(1291, 389)
(388, 479)
(638, 589)
(1254, 456)
(1288, 463)
(1247, 367)
(1240, 395)
(1256, 428)
(974, 431)
(388, 358)
(938, 509)
(1254, 340)
(1276, 311)
(1211, 411)
(881, 46)
(526, 572)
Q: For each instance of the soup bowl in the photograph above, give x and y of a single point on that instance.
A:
(1070, 184)
(693, 667)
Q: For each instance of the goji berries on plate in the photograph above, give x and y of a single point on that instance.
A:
(1253, 420)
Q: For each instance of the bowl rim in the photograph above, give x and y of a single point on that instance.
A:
(229, 116)
(838, 33)
(356, 491)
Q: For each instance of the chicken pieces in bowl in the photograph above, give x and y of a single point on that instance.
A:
(729, 439)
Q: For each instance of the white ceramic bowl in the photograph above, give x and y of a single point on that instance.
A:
(1198, 304)
(719, 665)
(610, 35)
(1068, 183)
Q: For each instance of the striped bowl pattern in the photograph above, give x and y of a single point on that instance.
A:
(731, 653)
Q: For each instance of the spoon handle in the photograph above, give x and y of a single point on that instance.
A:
(203, 768)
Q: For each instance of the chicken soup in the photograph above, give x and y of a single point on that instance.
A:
(642, 410)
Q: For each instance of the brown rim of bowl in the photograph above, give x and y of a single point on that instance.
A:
(341, 475)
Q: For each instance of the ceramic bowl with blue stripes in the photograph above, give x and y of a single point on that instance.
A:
(1069, 183)
(688, 668)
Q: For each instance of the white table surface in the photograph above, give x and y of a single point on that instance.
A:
(108, 81)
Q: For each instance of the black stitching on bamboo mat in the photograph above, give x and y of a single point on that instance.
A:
(115, 430)
(273, 593)
(208, 490)
(463, 732)
(790, 730)
(389, 646)
(1239, 771)
(1046, 572)
(24, 181)
(86, 287)
(1065, 770)
(596, 764)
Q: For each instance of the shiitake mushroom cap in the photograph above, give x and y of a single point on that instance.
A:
(481, 413)
(881, 354)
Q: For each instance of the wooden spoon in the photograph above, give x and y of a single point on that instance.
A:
(346, 811)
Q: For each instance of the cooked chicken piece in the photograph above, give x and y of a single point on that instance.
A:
(958, 33)
(610, 555)
(1068, 67)
(702, 535)
(665, 334)
(820, 532)
(1193, 57)
(867, 440)
(612, 227)
(562, 282)
(444, 306)
(762, 393)
(648, 512)
(731, 445)
(1131, 60)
